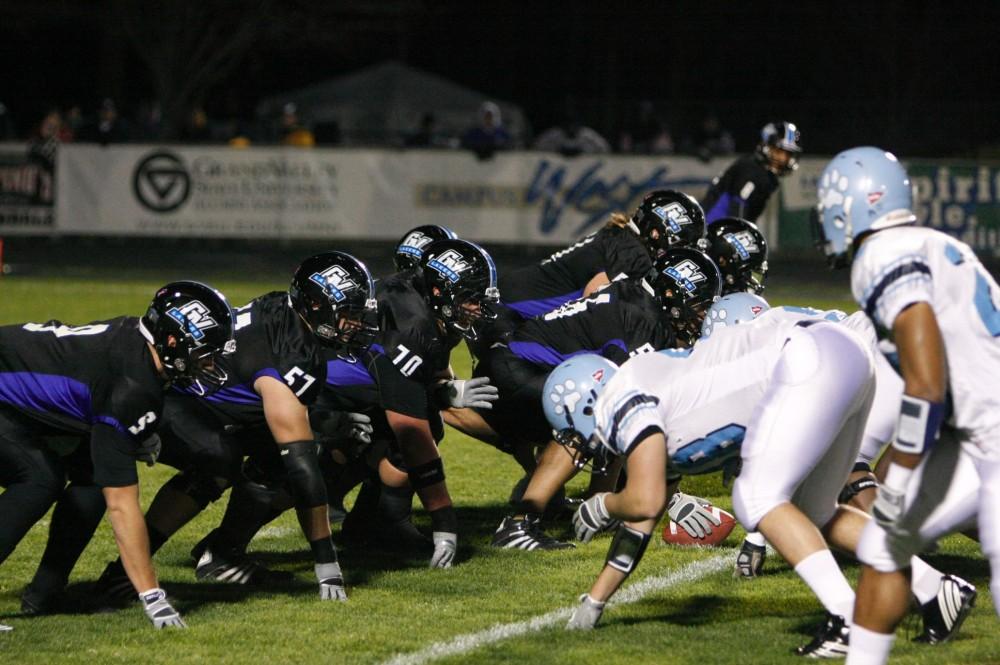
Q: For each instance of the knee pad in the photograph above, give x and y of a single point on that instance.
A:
(884, 553)
(750, 505)
(203, 490)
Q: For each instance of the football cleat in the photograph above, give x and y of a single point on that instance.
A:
(35, 601)
(750, 561)
(526, 534)
(943, 615)
(114, 587)
(231, 568)
(831, 640)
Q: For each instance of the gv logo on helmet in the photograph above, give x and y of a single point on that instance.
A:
(686, 273)
(334, 281)
(673, 215)
(415, 243)
(743, 243)
(450, 264)
(194, 318)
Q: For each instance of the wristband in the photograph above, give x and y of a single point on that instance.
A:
(919, 425)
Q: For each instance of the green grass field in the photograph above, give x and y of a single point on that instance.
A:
(399, 607)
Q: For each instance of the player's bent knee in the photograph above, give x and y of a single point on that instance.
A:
(751, 505)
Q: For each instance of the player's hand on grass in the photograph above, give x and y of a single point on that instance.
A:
(691, 513)
(592, 517)
(586, 615)
(445, 546)
(331, 582)
(159, 610)
(477, 393)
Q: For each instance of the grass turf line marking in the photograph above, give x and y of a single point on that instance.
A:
(462, 644)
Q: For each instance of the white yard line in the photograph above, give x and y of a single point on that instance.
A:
(462, 644)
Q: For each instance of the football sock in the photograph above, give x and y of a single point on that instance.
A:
(869, 647)
(756, 538)
(925, 581)
(820, 572)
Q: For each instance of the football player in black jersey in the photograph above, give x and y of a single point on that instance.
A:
(102, 383)
(629, 317)
(740, 251)
(378, 414)
(411, 246)
(743, 189)
(423, 314)
(624, 248)
(276, 373)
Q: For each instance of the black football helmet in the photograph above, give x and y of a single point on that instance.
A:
(740, 251)
(412, 245)
(785, 136)
(667, 218)
(334, 293)
(190, 325)
(460, 282)
(685, 282)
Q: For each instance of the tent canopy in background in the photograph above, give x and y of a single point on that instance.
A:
(381, 104)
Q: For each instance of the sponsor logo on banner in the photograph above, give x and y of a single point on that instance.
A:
(161, 182)
(26, 191)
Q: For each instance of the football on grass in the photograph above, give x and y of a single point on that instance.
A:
(674, 533)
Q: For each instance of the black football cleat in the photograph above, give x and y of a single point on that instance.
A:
(35, 601)
(831, 640)
(750, 561)
(231, 568)
(526, 534)
(944, 614)
(113, 586)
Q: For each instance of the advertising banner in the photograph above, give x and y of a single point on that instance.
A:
(26, 192)
(535, 198)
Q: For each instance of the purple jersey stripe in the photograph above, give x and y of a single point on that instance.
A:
(540, 354)
(48, 393)
(532, 308)
(343, 373)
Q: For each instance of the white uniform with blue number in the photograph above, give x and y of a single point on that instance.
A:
(893, 269)
(792, 399)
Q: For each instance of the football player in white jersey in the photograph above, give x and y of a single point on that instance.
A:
(795, 394)
(930, 294)
(940, 596)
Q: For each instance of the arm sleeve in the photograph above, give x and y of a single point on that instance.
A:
(113, 455)
(625, 257)
(626, 417)
(885, 290)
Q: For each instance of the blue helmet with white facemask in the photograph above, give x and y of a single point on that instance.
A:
(732, 310)
(861, 190)
(568, 398)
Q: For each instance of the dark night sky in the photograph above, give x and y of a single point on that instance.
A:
(918, 77)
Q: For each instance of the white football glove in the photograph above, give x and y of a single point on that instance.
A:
(445, 546)
(159, 610)
(888, 506)
(331, 581)
(4, 628)
(586, 615)
(691, 514)
(476, 393)
(592, 517)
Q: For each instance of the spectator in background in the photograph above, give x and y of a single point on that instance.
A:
(149, 121)
(196, 129)
(712, 138)
(646, 133)
(572, 138)
(45, 140)
(293, 132)
(427, 135)
(109, 127)
(489, 135)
